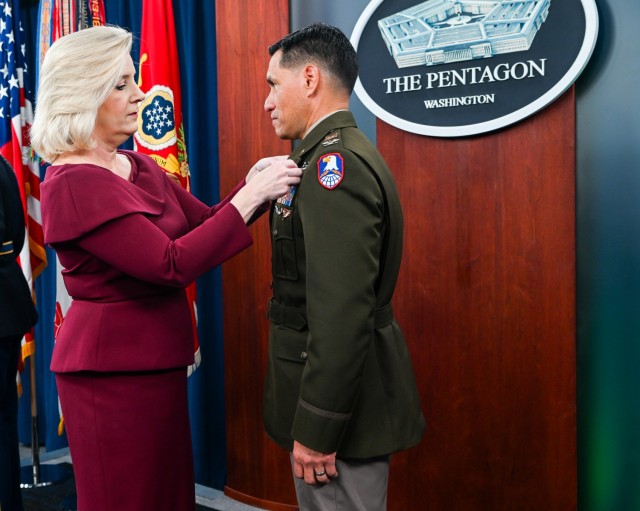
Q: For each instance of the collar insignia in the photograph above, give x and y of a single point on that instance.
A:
(330, 139)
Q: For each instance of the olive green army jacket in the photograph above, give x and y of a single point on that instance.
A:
(339, 375)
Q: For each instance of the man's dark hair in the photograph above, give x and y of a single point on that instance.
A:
(325, 46)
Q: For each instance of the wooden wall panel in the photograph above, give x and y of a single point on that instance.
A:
(486, 298)
(257, 468)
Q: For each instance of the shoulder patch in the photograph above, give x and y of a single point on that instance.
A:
(330, 170)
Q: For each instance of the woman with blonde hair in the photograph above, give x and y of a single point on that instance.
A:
(130, 240)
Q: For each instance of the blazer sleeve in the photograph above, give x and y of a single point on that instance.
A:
(195, 210)
(115, 221)
(150, 255)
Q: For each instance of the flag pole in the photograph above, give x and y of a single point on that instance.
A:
(36, 475)
(35, 441)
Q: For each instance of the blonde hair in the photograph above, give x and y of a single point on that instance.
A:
(78, 73)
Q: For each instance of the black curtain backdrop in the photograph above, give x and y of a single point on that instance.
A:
(195, 32)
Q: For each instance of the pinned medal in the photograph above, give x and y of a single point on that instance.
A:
(287, 200)
(330, 170)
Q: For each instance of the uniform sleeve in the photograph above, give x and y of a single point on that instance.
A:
(10, 208)
(3, 220)
(343, 237)
(150, 255)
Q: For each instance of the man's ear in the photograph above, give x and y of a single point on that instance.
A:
(311, 78)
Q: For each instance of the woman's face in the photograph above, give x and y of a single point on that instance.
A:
(117, 117)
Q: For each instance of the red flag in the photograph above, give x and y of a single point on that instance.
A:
(16, 115)
(160, 130)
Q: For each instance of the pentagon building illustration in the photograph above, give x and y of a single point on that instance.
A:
(443, 31)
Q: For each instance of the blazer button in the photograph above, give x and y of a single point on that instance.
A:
(304, 355)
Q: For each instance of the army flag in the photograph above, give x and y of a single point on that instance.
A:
(16, 115)
(61, 17)
(160, 131)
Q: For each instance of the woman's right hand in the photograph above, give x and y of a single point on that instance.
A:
(268, 184)
(262, 164)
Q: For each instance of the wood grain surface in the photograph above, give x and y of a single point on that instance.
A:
(486, 298)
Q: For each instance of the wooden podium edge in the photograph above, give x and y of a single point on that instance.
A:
(253, 501)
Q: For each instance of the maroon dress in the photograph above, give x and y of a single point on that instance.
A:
(129, 249)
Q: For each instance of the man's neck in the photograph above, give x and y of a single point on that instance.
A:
(322, 118)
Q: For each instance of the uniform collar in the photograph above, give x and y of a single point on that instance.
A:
(339, 119)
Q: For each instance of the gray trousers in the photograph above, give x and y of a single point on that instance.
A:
(361, 485)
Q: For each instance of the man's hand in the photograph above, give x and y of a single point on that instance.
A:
(313, 466)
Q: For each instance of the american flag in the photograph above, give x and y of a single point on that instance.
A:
(16, 114)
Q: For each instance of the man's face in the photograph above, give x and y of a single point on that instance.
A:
(287, 99)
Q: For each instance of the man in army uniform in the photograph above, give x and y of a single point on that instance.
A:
(340, 390)
(17, 317)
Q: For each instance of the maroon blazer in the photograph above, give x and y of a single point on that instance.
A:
(129, 248)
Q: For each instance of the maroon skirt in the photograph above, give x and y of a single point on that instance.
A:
(129, 440)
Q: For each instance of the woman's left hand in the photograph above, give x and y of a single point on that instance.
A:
(262, 164)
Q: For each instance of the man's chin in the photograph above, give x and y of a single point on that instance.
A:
(282, 134)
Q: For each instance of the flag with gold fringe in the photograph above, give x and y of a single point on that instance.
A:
(160, 130)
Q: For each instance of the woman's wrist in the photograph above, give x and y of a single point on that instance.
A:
(246, 202)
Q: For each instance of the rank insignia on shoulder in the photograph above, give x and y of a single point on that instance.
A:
(330, 170)
(330, 139)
